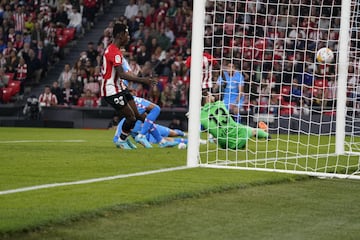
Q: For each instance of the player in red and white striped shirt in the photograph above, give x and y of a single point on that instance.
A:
(114, 90)
(208, 63)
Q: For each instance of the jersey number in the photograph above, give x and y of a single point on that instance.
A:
(119, 101)
(219, 117)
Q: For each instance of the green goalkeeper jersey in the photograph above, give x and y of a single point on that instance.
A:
(215, 118)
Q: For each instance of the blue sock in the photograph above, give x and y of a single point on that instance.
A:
(181, 140)
(155, 133)
(117, 133)
(179, 132)
(150, 119)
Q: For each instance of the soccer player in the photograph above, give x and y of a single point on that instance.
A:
(113, 88)
(151, 112)
(216, 119)
(153, 136)
(231, 82)
(209, 63)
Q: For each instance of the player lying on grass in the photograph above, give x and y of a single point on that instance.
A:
(152, 136)
(148, 131)
(216, 119)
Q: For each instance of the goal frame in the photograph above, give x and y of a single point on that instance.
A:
(193, 157)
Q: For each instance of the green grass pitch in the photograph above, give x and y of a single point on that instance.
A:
(196, 203)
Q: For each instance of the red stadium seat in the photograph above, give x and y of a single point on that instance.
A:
(285, 95)
(10, 75)
(320, 83)
(15, 86)
(286, 90)
(61, 41)
(69, 33)
(7, 94)
(181, 41)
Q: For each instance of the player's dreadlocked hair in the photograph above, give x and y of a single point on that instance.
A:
(119, 28)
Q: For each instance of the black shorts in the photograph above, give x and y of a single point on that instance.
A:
(119, 100)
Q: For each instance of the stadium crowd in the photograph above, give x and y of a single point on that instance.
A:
(33, 35)
(272, 44)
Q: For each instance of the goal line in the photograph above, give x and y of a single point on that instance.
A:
(93, 180)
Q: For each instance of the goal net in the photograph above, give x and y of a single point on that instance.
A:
(265, 69)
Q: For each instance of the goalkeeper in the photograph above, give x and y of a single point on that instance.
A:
(216, 119)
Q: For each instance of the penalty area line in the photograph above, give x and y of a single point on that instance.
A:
(93, 180)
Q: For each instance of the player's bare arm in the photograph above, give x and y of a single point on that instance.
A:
(130, 77)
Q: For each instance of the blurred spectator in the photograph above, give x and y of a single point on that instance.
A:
(4, 79)
(11, 35)
(179, 89)
(92, 53)
(105, 38)
(88, 100)
(89, 11)
(172, 10)
(70, 95)
(176, 124)
(75, 21)
(144, 7)
(22, 73)
(38, 34)
(34, 66)
(56, 89)
(93, 86)
(8, 49)
(131, 9)
(47, 99)
(142, 55)
(154, 95)
(163, 40)
(60, 18)
(75, 84)
(29, 23)
(114, 122)
(19, 18)
(139, 33)
(2, 45)
(43, 56)
(67, 6)
(65, 75)
(19, 42)
(2, 61)
(167, 97)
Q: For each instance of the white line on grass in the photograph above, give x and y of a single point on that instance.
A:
(41, 141)
(93, 180)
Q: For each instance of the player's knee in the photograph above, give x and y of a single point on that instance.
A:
(129, 124)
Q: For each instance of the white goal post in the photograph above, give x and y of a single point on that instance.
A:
(311, 108)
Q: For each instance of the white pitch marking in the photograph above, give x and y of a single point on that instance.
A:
(93, 180)
(41, 141)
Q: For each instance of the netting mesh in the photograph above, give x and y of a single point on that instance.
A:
(273, 46)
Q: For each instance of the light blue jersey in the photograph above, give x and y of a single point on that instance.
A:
(232, 85)
(164, 131)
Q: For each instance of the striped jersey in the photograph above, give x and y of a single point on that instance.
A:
(111, 83)
(208, 62)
